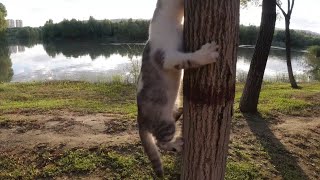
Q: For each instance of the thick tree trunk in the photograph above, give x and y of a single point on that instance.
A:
(288, 54)
(209, 91)
(251, 92)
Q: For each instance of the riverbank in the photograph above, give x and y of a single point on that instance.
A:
(77, 129)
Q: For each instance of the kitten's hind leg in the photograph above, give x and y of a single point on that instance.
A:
(178, 113)
(164, 135)
(175, 145)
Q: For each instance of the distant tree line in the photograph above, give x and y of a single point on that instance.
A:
(137, 31)
(299, 38)
(24, 33)
(122, 30)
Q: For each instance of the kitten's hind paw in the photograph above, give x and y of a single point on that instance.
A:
(175, 145)
(178, 144)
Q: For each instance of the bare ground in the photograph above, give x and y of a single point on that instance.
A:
(24, 131)
(291, 145)
(295, 140)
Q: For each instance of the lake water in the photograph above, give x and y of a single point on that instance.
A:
(96, 62)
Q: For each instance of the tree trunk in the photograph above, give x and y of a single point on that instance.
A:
(250, 97)
(209, 91)
(288, 54)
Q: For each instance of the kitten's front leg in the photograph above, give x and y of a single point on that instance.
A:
(206, 55)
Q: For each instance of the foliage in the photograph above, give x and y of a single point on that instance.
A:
(314, 50)
(244, 3)
(29, 33)
(24, 33)
(299, 38)
(3, 10)
(132, 30)
(248, 34)
(3, 22)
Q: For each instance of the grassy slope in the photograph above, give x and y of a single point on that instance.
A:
(275, 99)
(129, 162)
(72, 96)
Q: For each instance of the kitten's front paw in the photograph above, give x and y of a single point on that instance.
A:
(207, 54)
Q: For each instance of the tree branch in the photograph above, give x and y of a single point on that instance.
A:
(283, 12)
(291, 7)
(288, 6)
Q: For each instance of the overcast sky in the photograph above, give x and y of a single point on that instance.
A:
(306, 14)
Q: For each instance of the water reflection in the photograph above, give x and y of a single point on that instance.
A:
(16, 49)
(276, 69)
(6, 71)
(93, 49)
(91, 61)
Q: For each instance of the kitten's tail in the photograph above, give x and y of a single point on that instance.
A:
(152, 151)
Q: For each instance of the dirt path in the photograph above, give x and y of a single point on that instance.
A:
(23, 132)
(293, 140)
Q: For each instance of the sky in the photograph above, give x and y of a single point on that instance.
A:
(306, 14)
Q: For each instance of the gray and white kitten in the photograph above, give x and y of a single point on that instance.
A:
(160, 76)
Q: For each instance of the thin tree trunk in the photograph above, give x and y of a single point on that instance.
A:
(209, 91)
(288, 54)
(250, 97)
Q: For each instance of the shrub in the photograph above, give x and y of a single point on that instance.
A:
(314, 50)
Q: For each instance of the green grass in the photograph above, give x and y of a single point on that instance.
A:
(280, 99)
(241, 171)
(72, 96)
(117, 98)
(127, 162)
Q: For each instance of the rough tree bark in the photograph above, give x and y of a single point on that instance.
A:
(251, 92)
(287, 17)
(288, 55)
(209, 91)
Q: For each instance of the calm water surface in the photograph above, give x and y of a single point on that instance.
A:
(96, 62)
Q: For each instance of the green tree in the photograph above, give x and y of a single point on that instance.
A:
(125, 30)
(3, 22)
